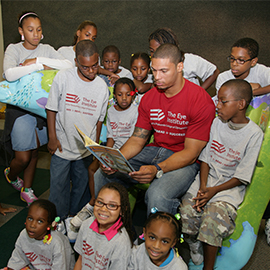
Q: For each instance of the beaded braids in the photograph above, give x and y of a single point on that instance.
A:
(25, 15)
(125, 206)
(81, 27)
(164, 216)
(48, 206)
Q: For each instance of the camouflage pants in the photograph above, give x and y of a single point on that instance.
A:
(212, 224)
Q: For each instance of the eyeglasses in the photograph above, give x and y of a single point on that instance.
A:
(87, 68)
(109, 206)
(223, 102)
(231, 59)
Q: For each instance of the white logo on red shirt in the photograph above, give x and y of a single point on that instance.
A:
(31, 256)
(156, 114)
(218, 147)
(72, 98)
(87, 249)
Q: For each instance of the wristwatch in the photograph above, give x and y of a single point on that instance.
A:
(159, 171)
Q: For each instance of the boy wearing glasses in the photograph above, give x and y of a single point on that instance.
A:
(243, 62)
(209, 208)
(77, 96)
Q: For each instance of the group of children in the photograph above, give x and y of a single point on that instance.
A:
(78, 96)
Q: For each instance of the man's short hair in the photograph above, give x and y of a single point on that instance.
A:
(249, 44)
(170, 51)
(241, 89)
(111, 49)
(86, 48)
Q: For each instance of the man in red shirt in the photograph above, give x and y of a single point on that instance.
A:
(180, 114)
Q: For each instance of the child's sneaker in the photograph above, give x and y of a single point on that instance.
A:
(196, 250)
(86, 212)
(267, 231)
(27, 195)
(17, 184)
(72, 233)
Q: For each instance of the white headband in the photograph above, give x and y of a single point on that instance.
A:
(29, 13)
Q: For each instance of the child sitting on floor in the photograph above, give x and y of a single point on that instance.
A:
(209, 208)
(38, 246)
(105, 240)
(161, 232)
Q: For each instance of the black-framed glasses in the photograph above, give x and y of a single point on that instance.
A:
(223, 102)
(87, 68)
(231, 59)
(109, 206)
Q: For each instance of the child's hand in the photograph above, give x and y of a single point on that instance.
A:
(204, 197)
(114, 78)
(52, 146)
(107, 170)
(28, 62)
(3, 210)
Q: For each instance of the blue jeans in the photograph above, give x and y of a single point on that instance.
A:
(163, 193)
(69, 189)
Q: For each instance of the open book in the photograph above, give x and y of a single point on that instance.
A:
(108, 156)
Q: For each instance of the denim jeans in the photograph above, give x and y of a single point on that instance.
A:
(69, 189)
(163, 193)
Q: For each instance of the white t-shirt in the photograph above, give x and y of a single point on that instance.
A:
(76, 102)
(68, 53)
(230, 153)
(257, 74)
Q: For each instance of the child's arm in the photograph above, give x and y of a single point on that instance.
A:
(210, 192)
(99, 126)
(209, 81)
(53, 143)
(110, 142)
(4, 210)
(78, 264)
(142, 87)
(204, 171)
(113, 77)
(258, 90)
(91, 182)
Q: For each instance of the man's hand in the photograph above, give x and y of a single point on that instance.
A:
(145, 175)
(52, 146)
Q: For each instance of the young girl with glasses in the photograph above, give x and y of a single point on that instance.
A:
(105, 240)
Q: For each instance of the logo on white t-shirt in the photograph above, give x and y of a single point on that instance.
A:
(220, 148)
(72, 98)
(156, 114)
(31, 256)
(88, 250)
(114, 125)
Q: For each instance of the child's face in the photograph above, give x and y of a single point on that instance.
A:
(139, 70)
(88, 32)
(32, 31)
(241, 71)
(105, 217)
(111, 62)
(37, 222)
(87, 67)
(159, 238)
(123, 97)
(228, 105)
(153, 45)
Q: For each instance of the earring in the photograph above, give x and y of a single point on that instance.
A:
(42, 36)
(48, 228)
(22, 37)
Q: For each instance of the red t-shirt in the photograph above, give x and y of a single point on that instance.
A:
(188, 114)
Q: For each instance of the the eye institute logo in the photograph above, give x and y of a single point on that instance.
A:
(218, 147)
(72, 98)
(156, 114)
